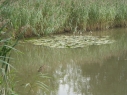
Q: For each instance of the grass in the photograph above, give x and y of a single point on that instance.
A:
(6, 45)
(41, 17)
(7, 76)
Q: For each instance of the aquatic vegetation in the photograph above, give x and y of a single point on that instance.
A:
(71, 41)
(6, 46)
(43, 17)
(7, 71)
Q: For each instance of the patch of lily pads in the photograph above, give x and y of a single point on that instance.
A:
(71, 41)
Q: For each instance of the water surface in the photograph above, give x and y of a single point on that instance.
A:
(92, 70)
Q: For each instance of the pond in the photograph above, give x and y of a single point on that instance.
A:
(85, 70)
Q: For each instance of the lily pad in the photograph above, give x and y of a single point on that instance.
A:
(71, 41)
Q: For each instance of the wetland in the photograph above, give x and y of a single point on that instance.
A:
(74, 49)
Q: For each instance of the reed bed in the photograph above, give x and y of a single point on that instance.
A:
(41, 17)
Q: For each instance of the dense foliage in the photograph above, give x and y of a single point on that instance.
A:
(39, 17)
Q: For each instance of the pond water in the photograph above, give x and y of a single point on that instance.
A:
(91, 70)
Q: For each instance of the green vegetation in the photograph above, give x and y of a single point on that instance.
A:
(40, 17)
(71, 41)
(6, 46)
(7, 76)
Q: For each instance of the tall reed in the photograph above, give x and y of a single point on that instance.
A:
(6, 46)
(42, 17)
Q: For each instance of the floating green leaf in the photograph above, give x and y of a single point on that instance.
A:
(64, 41)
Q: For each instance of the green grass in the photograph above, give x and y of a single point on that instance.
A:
(43, 17)
(7, 76)
(6, 46)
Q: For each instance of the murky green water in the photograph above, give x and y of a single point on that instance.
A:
(91, 70)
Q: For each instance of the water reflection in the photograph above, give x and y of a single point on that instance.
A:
(93, 70)
(107, 78)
